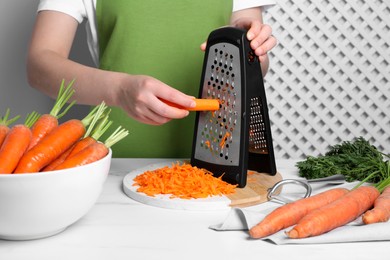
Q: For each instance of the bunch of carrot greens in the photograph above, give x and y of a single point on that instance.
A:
(356, 160)
(321, 213)
(42, 143)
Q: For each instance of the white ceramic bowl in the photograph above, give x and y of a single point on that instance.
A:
(38, 205)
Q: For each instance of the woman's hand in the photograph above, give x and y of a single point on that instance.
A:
(140, 96)
(259, 34)
(260, 37)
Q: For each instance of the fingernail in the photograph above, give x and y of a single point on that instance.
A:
(250, 35)
(193, 104)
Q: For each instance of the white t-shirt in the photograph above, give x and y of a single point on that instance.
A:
(85, 10)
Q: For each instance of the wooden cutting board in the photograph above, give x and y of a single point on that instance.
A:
(253, 193)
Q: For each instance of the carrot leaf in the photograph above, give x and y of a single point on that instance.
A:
(356, 160)
(5, 121)
(101, 127)
(31, 119)
(95, 114)
(64, 94)
(116, 136)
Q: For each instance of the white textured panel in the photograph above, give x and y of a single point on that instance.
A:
(329, 77)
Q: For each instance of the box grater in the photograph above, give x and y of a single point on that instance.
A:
(237, 137)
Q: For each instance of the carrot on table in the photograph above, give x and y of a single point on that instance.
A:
(381, 210)
(4, 125)
(15, 144)
(47, 122)
(56, 142)
(336, 214)
(289, 214)
(93, 152)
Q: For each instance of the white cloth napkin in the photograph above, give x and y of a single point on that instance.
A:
(356, 231)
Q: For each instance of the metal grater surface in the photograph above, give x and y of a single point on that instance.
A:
(218, 140)
(257, 128)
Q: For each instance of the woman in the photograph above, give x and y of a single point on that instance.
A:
(144, 51)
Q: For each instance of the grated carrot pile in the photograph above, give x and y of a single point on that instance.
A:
(182, 181)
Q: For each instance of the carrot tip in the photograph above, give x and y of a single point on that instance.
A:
(292, 233)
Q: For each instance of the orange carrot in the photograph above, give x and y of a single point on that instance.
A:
(15, 144)
(336, 214)
(55, 143)
(91, 136)
(93, 152)
(47, 122)
(289, 214)
(182, 181)
(201, 105)
(4, 125)
(381, 210)
(60, 159)
(90, 154)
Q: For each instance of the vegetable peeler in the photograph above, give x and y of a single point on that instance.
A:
(237, 137)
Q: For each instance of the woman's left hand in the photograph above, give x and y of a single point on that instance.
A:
(260, 37)
(258, 33)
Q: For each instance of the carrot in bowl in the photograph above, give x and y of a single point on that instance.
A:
(335, 214)
(15, 144)
(91, 136)
(289, 214)
(4, 125)
(55, 143)
(93, 152)
(47, 122)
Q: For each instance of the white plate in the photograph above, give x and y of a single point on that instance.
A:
(163, 201)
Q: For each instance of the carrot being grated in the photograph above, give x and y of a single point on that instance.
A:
(182, 181)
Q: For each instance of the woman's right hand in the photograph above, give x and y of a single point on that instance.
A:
(140, 97)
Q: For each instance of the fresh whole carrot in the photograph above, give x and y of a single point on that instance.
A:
(90, 154)
(336, 214)
(289, 214)
(3, 133)
(381, 210)
(93, 152)
(201, 105)
(4, 125)
(55, 143)
(74, 149)
(47, 122)
(60, 159)
(15, 144)
(91, 136)
(82, 144)
(51, 146)
(44, 125)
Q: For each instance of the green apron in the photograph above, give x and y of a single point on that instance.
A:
(160, 39)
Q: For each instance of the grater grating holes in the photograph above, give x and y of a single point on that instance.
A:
(257, 138)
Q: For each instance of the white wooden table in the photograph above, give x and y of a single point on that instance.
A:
(119, 228)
